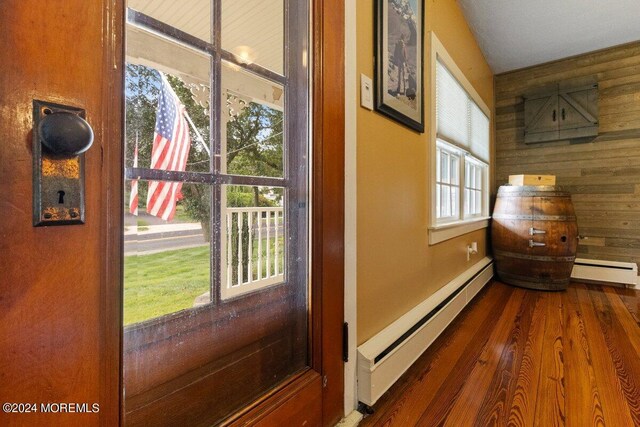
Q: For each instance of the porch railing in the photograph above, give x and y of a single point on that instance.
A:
(253, 256)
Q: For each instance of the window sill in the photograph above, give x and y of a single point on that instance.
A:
(440, 233)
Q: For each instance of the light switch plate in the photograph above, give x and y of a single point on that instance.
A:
(366, 92)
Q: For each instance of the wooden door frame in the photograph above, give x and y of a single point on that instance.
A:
(328, 201)
(290, 399)
(112, 218)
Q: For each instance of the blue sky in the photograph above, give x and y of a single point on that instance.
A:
(414, 5)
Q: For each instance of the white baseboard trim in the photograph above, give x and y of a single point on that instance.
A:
(351, 420)
(605, 271)
(388, 354)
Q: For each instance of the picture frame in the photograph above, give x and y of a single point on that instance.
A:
(399, 61)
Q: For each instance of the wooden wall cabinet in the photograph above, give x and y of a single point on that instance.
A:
(562, 111)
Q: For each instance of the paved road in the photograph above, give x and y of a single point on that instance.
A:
(149, 243)
(158, 242)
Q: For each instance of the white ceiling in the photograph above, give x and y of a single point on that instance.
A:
(518, 33)
(252, 30)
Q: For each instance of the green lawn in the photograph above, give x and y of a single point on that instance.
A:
(255, 255)
(166, 282)
(163, 283)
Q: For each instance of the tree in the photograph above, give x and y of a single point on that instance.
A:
(142, 87)
(141, 98)
(254, 147)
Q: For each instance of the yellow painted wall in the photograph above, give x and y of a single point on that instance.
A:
(396, 267)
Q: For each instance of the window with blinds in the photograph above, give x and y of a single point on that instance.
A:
(462, 142)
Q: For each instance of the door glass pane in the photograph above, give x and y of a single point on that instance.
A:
(166, 263)
(216, 255)
(253, 242)
(166, 120)
(252, 123)
(191, 16)
(254, 32)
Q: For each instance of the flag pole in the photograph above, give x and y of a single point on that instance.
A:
(200, 138)
(133, 197)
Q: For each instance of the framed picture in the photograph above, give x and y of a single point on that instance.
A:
(399, 84)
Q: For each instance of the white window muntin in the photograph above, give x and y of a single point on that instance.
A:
(456, 168)
(448, 179)
(475, 188)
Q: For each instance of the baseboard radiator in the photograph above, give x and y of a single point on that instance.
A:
(605, 271)
(386, 356)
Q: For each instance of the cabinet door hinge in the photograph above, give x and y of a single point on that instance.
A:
(345, 342)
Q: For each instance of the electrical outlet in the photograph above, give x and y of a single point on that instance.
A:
(472, 249)
(366, 92)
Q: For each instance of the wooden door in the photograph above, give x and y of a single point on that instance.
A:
(60, 292)
(59, 285)
(541, 117)
(578, 109)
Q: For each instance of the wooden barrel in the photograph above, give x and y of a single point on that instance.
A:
(534, 236)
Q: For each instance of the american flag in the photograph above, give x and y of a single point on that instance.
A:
(170, 151)
(133, 198)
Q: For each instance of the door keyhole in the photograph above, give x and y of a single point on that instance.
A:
(61, 197)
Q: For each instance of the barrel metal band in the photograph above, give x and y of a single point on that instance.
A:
(536, 217)
(529, 279)
(504, 194)
(507, 254)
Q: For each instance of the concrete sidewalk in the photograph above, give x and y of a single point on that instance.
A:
(162, 228)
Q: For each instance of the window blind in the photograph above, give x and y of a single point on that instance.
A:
(479, 133)
(451, 108)
(459, 120)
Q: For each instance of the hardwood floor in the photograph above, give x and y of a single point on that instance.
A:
(527, 358)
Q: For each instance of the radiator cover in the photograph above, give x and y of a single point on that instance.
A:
(387, 355)
(605, 271)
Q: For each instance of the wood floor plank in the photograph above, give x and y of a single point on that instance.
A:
(583, 402)
(517, 357)
(444, 355)
(626, 319)
(495, 407)
(424, 379)
(550, 408)
(522, 411)
(478, 374)
(444, 395)
(622, 353)
(614, 404)
(631, 300)
(476, 326)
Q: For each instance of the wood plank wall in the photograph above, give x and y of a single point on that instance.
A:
(602, 173)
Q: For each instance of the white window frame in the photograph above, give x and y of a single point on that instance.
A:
(476, 182)
(457, 225)
(451, 152)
